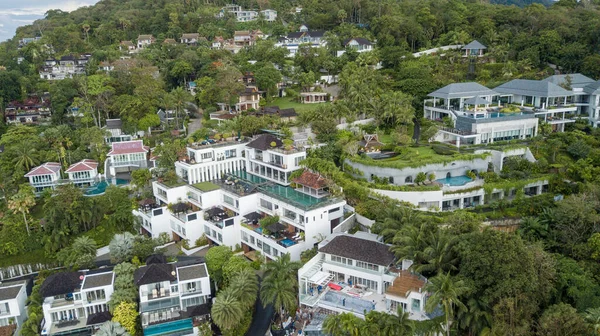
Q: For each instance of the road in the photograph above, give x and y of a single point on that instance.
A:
(262, 319)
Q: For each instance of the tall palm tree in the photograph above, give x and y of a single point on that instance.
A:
(110, 328)
(22, 201)
(411, 241)
(404, 325)
(332, 325)
(446, 292)
(475, 317)
(439, 253)
(227, 311)
(25, 156)
(280, 291)
(244, 285)
(283, 267)
(352, 325)
(395, 219)
(180, 98)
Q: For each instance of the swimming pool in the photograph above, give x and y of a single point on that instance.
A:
(100, 188)
(170, 328)
(287, 242)
(455, 181)
(259, 230)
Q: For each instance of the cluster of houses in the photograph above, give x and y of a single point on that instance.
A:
(513, 110)
(33, 110)
(173, 299)
(65, 67)
(242, 15)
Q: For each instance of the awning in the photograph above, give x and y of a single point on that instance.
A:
(321, 278)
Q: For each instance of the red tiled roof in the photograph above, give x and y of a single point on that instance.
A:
(128, 147)
(311, 180)
(47, 168)
(83, 165)
(8, 330)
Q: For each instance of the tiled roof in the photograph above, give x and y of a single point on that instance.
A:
(154, 273)
(359, 40)
(241, 33)
(312, 180)
(190, 36)
(61, 283)
(192, 272)
(263, 142)
(577, 80)
(98, 280)
(83, 165)
(359, 249)
(8, 330)
(316, 33)
(128, 147)
(47, 168)
(114, 123)
(145, 37)
(462, 90)
(99, 318)
(528, 87)
(127, 43)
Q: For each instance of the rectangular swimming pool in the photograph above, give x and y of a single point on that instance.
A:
(455, 181)
(179, 327)
(287, 242)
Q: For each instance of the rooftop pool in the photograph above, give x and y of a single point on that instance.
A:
(455, 181)
(100, 187)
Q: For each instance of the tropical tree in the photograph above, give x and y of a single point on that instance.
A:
(280, 284)
(475, 317)
(395, 219)
(22, 201)
(110, 328)
(395, 108)
(592, 317)
(81, 253)
(439, 254)
(533, 229)
(244, 285)
(121, 247)
(227, 311)
(446, 292)
(126, 315)
(179, 99)
(344, 324)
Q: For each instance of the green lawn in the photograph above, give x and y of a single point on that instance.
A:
(205, 186)
(286, 102)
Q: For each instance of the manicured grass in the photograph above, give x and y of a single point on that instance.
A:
(286, 102)
(385, 138)
(206, 186)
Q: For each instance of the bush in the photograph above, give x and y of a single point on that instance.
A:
(202, 241)
(443, 150)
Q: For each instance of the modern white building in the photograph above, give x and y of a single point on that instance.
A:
(115, 133)
(358, 274)
(358, 44)
(45, 176)
(304, 36)
(269, 15)
(76, 302)
(173, 296)
(13, 310)
(66, 67)
(143, 41)
(83, 173)
(228, 189)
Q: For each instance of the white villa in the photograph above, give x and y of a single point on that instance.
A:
(83, 173)
(357, 274)
(242, 15)
(358, 43)
(232, 187)
(114, 127)
(302, 37)
(172, 292)
(144, 41)
(44, 176)
(126, 156)
(76, 302)
(13, 310)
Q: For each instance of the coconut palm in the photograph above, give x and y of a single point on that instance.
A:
(395, 219)
(179, 98)
(227, 311)
(475, 317)
(280, 291)
(22, 201)
(110, 328)
(332, 325)
(244, 285)
(446, 292)
(411, 241)
(283, 267)
(533, 229)
(25, 156)
(439, 253)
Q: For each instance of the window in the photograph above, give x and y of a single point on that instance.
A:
(251, 240)
(229, 200)
(408, 179)
(206, 155)
(366, 265)
(195, 301)
(341, 260)
(207, 230)
(334, 210)
(289, 214)
(365, 282)
(4, 308)
(220, 237)
(266, 204)
(96, 295)
(267, 248)
(192, 217)
(158, 212)
(298, 159)
(244, 236)
(228, 222)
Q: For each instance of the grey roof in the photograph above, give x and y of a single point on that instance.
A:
(474, 45)
(61, 283)
(10, 291)
(462, 90)
(593, 88)
(359, 249)
(98, 280)
(359, 40)
(192, 272)
(477, 101)
(264, 141)
(113, 123)
(577, 80)
(153, 273)
(528, 87)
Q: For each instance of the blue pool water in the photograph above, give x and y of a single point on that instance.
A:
(287, 242)
(100, 188)
(455, 180)
(175, 327)
(259, 230)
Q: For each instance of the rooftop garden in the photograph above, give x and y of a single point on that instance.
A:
(205, 186)
(418, 156)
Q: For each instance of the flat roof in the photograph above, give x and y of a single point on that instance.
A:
(186, 273)
(98, 280)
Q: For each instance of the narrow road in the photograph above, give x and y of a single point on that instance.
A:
(262, 319)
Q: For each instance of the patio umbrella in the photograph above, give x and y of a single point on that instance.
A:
(215, 212)
(146, 202)
(276, 227)
(180, 207)
(253, 217)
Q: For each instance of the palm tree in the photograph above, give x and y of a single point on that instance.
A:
(244, 284)
(332, 325)
(411, 241)
(227, 311)
(445, 291)
(395, 219)
(404, 325)
(475, 317)
(110, 328)
(179, 97)
(280, 291)
(351, 324)
(439, 253)
(592, 316)
(25, 156)
(283, 267)
(22, 201)
(533, 229)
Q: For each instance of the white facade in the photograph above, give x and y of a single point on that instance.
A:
(69, 311)
(13, 310)
(245, 180)
(126, 156)
(183, 287)
(84, 172)
(45, 176)
(66, 67)
(269, 15)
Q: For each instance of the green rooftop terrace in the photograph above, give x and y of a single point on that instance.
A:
(205, 186)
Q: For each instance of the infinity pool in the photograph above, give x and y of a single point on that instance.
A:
(170, 328)
(100, 188)
(287, 242)
(455, 181)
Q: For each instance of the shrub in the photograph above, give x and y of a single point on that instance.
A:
(443, 150)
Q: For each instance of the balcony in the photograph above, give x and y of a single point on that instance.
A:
(66, 325)
(276, 232)
(182, 210)
(157, 293)
(219, 216)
